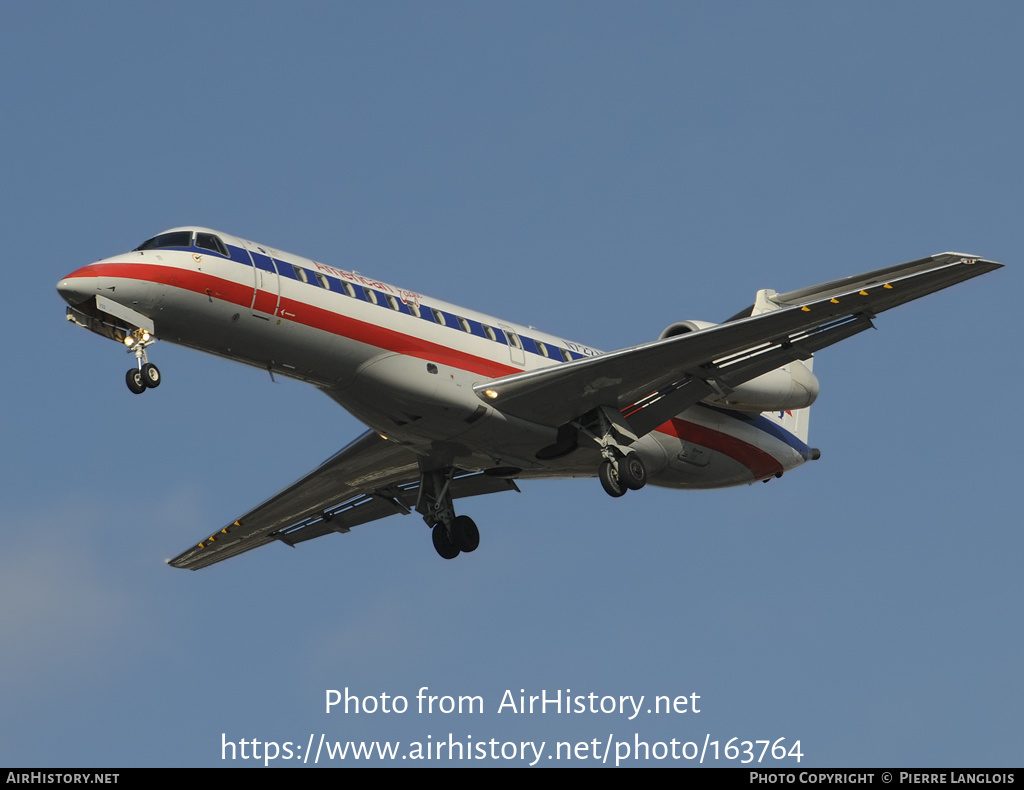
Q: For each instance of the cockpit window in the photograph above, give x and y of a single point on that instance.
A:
(207, 241)
(177, 238)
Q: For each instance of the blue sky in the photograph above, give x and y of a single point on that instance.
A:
(597, 170)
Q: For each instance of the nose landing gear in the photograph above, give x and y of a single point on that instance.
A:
(146, 375)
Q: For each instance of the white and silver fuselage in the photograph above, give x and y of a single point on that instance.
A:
(403, 363)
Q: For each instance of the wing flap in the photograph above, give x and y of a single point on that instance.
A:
(556, 395)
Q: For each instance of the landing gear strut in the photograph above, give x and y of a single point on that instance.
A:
(451, 534)
(146, 375)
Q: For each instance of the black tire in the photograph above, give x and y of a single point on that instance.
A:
(444, 544)
(610, 481)
(632, 471)
(467, 536)
(151, 375)
(133, 378)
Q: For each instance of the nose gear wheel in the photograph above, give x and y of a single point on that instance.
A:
(133, 378)
(151, 375)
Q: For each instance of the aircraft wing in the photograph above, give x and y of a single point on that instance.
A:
(652, 382)
(369, 479)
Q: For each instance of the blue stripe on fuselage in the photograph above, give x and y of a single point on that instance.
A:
(762, 423)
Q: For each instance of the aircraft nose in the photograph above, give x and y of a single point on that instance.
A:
(78, 286)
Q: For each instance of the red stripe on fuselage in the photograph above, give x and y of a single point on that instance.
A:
(760, 463)
(302, 313)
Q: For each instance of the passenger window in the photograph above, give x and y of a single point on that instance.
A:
(414, 308)
(371, 295)
(464, 324)
(324, 282)
(543, 349)
(300, 274)
(349, 289)
(438, 316)
(513, 338)
(393, 302)
(566, 356)
(489, 331)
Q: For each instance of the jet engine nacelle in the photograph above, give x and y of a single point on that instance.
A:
(682, 327)
(793, 386)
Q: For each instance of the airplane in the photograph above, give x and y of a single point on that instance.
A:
(462, 404)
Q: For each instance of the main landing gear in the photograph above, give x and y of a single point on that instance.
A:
(461, 535)
(451, 534)
(146, 375)
(621, 469)
(620, 473)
